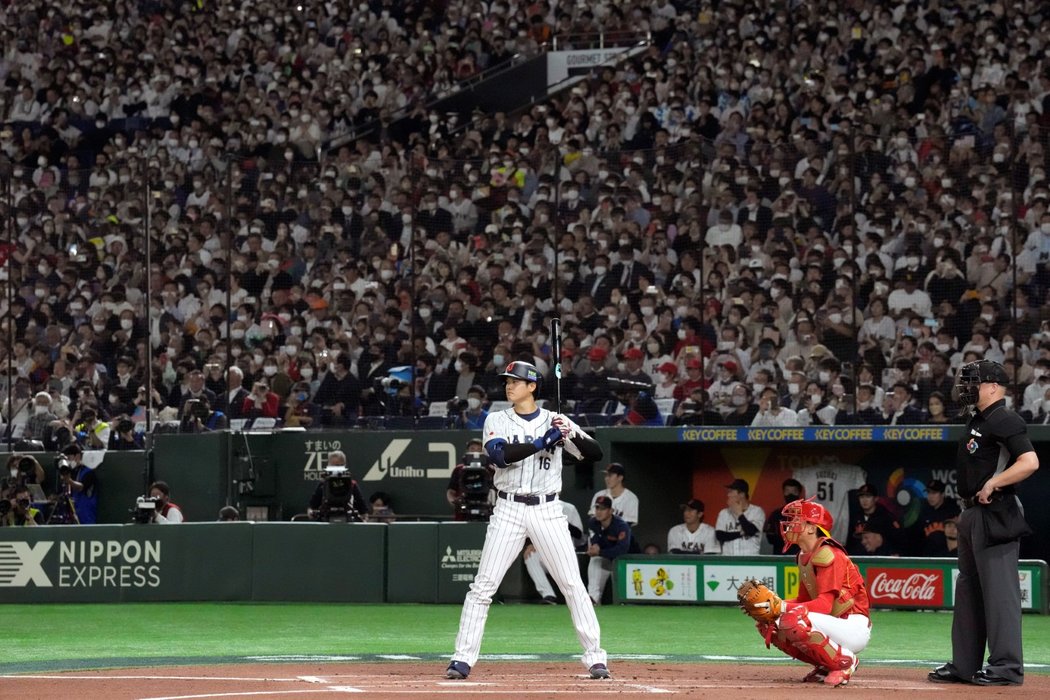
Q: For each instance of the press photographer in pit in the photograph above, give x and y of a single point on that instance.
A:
(18, 510)
(157, 507)
(78, 482)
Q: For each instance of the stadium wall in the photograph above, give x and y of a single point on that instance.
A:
(665, 467)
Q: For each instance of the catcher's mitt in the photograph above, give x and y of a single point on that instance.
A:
(758, 601)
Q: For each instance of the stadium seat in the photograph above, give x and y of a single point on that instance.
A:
(665, 406)
(431, 422)
(399, 422)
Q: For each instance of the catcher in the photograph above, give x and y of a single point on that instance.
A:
(827, 625)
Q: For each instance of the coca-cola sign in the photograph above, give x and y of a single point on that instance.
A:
(910, 587)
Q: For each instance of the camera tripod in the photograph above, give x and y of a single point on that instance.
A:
(63, 512)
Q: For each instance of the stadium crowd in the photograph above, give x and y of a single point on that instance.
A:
(776, 214)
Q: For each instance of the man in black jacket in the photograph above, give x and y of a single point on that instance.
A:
(339, 395)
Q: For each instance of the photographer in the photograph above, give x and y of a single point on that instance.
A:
(79, 482)
(352, 502)
(125, 437)
(199, 418)
(261, 403)
(22, 470)
(468, 492)
(694, 410)
(167, 513)
(92, 433)
(18, 511)
(469, 414)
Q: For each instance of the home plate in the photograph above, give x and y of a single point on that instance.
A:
(344, 689)
(465, 684)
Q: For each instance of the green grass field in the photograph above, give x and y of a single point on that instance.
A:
(52, 636)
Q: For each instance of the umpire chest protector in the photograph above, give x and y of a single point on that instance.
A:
(994, 438)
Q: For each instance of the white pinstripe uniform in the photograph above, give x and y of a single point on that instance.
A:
(544, 523)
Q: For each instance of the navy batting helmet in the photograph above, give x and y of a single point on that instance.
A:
(522, 370)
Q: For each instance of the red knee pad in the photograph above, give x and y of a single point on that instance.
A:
(795, 624)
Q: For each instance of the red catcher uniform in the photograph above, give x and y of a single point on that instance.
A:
(831, 582)
(827, 625)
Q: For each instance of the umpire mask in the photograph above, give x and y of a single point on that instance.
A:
(970, 377)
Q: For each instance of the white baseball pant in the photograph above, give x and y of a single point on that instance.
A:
(599, 569)
(545, 524)
(852, 633)
(539, 575)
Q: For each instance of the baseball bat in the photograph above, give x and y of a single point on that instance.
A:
(556, 357)
(567, 445)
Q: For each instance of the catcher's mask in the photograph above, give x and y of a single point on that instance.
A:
(798, 514)
(970, 376)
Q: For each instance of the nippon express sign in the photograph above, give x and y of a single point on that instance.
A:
(80, 564)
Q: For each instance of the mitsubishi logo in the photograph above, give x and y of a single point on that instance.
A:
(21, 563)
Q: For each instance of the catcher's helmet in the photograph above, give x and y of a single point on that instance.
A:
(970, 376)
(522, 370)
(798, 513)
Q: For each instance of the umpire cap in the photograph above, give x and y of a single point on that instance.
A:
(522, 370)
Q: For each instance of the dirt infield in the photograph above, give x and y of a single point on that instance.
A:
(496, 679)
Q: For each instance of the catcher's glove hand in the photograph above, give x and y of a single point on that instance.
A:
(758, 601)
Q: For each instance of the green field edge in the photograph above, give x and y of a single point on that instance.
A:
(116, 663)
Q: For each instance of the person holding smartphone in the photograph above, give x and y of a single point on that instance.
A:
(261, 403)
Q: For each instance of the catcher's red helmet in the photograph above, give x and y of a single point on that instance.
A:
(798, 513)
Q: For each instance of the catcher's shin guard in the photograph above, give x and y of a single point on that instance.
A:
(812, 646)
(780, 641)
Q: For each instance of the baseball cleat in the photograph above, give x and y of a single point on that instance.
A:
(550, 600)
(840, 677)
(817, 675)
(457, 670)
(600, 671)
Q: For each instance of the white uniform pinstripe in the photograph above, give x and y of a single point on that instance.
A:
(545, 524)
(535, 567)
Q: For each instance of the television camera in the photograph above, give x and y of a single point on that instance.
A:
(474, 502)
(338, 504)
(144, 510)
(63, 511)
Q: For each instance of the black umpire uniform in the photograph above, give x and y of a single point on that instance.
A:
(994, 454)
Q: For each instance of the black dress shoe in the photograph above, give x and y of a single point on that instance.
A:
(944, 674)
(985, 678)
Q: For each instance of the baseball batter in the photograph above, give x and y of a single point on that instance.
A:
(524, 444)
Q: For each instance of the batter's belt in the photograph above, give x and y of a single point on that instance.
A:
(529, 500)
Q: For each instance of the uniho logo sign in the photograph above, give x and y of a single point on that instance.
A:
(914, 587)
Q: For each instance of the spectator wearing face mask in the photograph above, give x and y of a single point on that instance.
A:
(474, 415)
(339, 395)
(666, 381)
(770, 413)
(261, 402)
(299, 410)
(742, 410)
(37, 424)
(816, 410)
(721, 388)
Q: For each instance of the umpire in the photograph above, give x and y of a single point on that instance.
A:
(994, 454)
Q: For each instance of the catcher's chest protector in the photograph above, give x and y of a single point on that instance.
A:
(822, 573)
